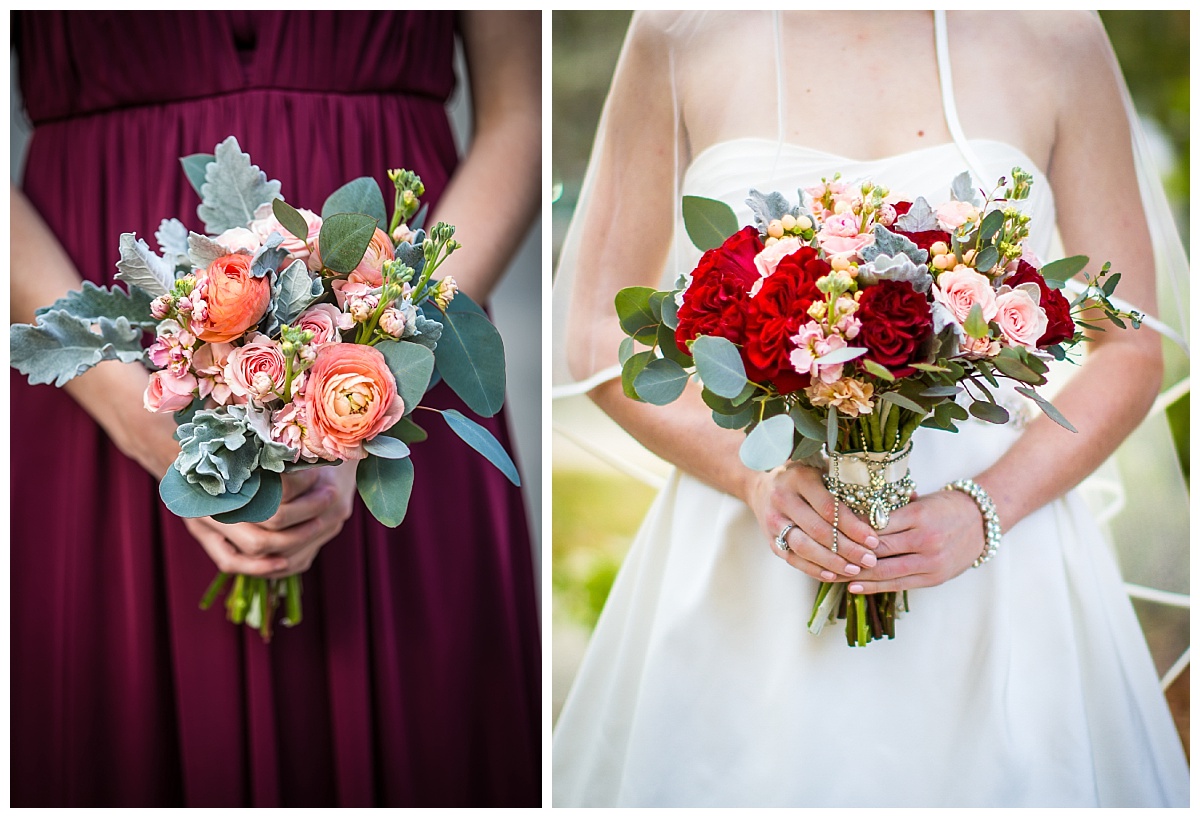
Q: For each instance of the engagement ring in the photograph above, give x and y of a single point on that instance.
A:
(781, 540)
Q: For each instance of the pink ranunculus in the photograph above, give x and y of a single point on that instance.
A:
(962, 288)
(168, 393)
(769, 257)
(325, 322)
(208, 362)
(296, 247)
(370, 269)
(951, 215)
(350, 397)
(257, 369)
(237, 239)
(1022, 322)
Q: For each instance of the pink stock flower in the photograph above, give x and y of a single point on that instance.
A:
(168, 393)
(811, 344)
(1022, 322)
(391, 322)
(848, 396)
(962, 288)
(978, 347)
(289, 426)
(208, 362)
(172, 349)
(257, 369)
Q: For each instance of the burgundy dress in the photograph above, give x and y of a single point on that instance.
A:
(415, 676)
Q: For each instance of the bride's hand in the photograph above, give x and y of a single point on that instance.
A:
(931, 540)
(795, 493)
(316, 503)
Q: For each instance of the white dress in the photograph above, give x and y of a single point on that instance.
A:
(1026, 682)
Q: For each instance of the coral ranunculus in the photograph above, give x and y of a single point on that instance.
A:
(370, 269)
(234, 300)
(896, 321)
(350, 397)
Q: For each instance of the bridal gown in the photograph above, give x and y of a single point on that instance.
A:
(1026, 682)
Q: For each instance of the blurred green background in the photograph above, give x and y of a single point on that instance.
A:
(596, 508)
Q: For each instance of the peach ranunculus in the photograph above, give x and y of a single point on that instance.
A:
(370, 269)
(350, 397)
(952, 215)
(1022, 321)
(228, 300)
(167, 393)
(962, 288)
(257, 369)
(769, 257)
(325, 322)
(296, 247)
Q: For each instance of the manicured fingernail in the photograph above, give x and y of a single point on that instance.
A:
(872, 541)
(869, 560)
(856, 588)
(828, 576)
(852, 569)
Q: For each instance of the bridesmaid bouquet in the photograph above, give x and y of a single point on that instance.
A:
(283, 340)
(841, 324)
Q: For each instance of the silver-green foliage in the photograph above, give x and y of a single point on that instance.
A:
(139, 266)
(233, 189)
(60, 346)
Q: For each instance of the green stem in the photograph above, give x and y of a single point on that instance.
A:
(214, 588)
(292, 589)
(237, 603)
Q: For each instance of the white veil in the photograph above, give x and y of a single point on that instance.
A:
(648, 135)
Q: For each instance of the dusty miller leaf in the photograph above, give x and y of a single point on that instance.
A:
(892, 244)
(218, 452)
(767, 207)
(203, 251)
(141, 267)
(898, 268)
(233, 189)
(60, 346)
(293, 291)
(919, 218)
(963, 190)
(268, 257)
(172, 239)
(274, 456)
(92, 302)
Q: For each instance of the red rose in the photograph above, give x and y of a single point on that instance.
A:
(896, 321)
(716, 301)
(922, 238)
(1058, 309)
(776, 313)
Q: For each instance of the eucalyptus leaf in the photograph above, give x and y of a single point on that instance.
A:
(903, 402)
(385, 487)
(470, 358)
(841, 356)
(807, 424)
(807, 447)
(708, 222)
(738, 420)
(878, 370)
(1110, 284)
(669, 348)
(633, 311)
(991, 225)
(670, 313)
(59, 346)
(831, 429)
(940, 391)
(987, 258)
(482, 441)
(290, 218)
(1047, 407)
(991, 412)
(91, 303)
(233, 189)
(262, 506)
(1063, 269)
(769, 444)
(361, 195)
(387, 447)
(412, 367)
(624, 350)
(1012, 366)
(719, 365)
(141, 267)
(975, 325)
(344, 239)
(194, 168)
(186, 499)
(660, 381)
(408, 431)
(633, 367)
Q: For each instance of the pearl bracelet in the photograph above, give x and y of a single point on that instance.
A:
(991, 521)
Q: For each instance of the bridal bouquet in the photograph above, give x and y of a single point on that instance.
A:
(842, 323)
(283, 340)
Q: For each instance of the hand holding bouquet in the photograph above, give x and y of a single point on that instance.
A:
(283, 340)
(842, 323)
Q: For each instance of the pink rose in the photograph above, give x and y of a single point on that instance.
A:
(845, 245)
(208, 363)
(370, 269)
(1022, 322)
(296, 247)
(962, 288)
(351, 397)
(239, 238)
(168, 393)
(951, 215)
(769, 257)
(325, 322)
(256, 369)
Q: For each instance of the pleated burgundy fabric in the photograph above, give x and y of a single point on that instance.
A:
(415, 676)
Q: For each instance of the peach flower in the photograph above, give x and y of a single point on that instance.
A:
(1022, 322)
(962, 288)
(350, 398)
(167, 393)
(848, 396)
(233, 299)
(370, 269)
(256, 369)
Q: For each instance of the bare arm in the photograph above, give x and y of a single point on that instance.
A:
(493, 195)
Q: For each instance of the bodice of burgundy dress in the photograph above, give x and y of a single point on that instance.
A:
(414, 678)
